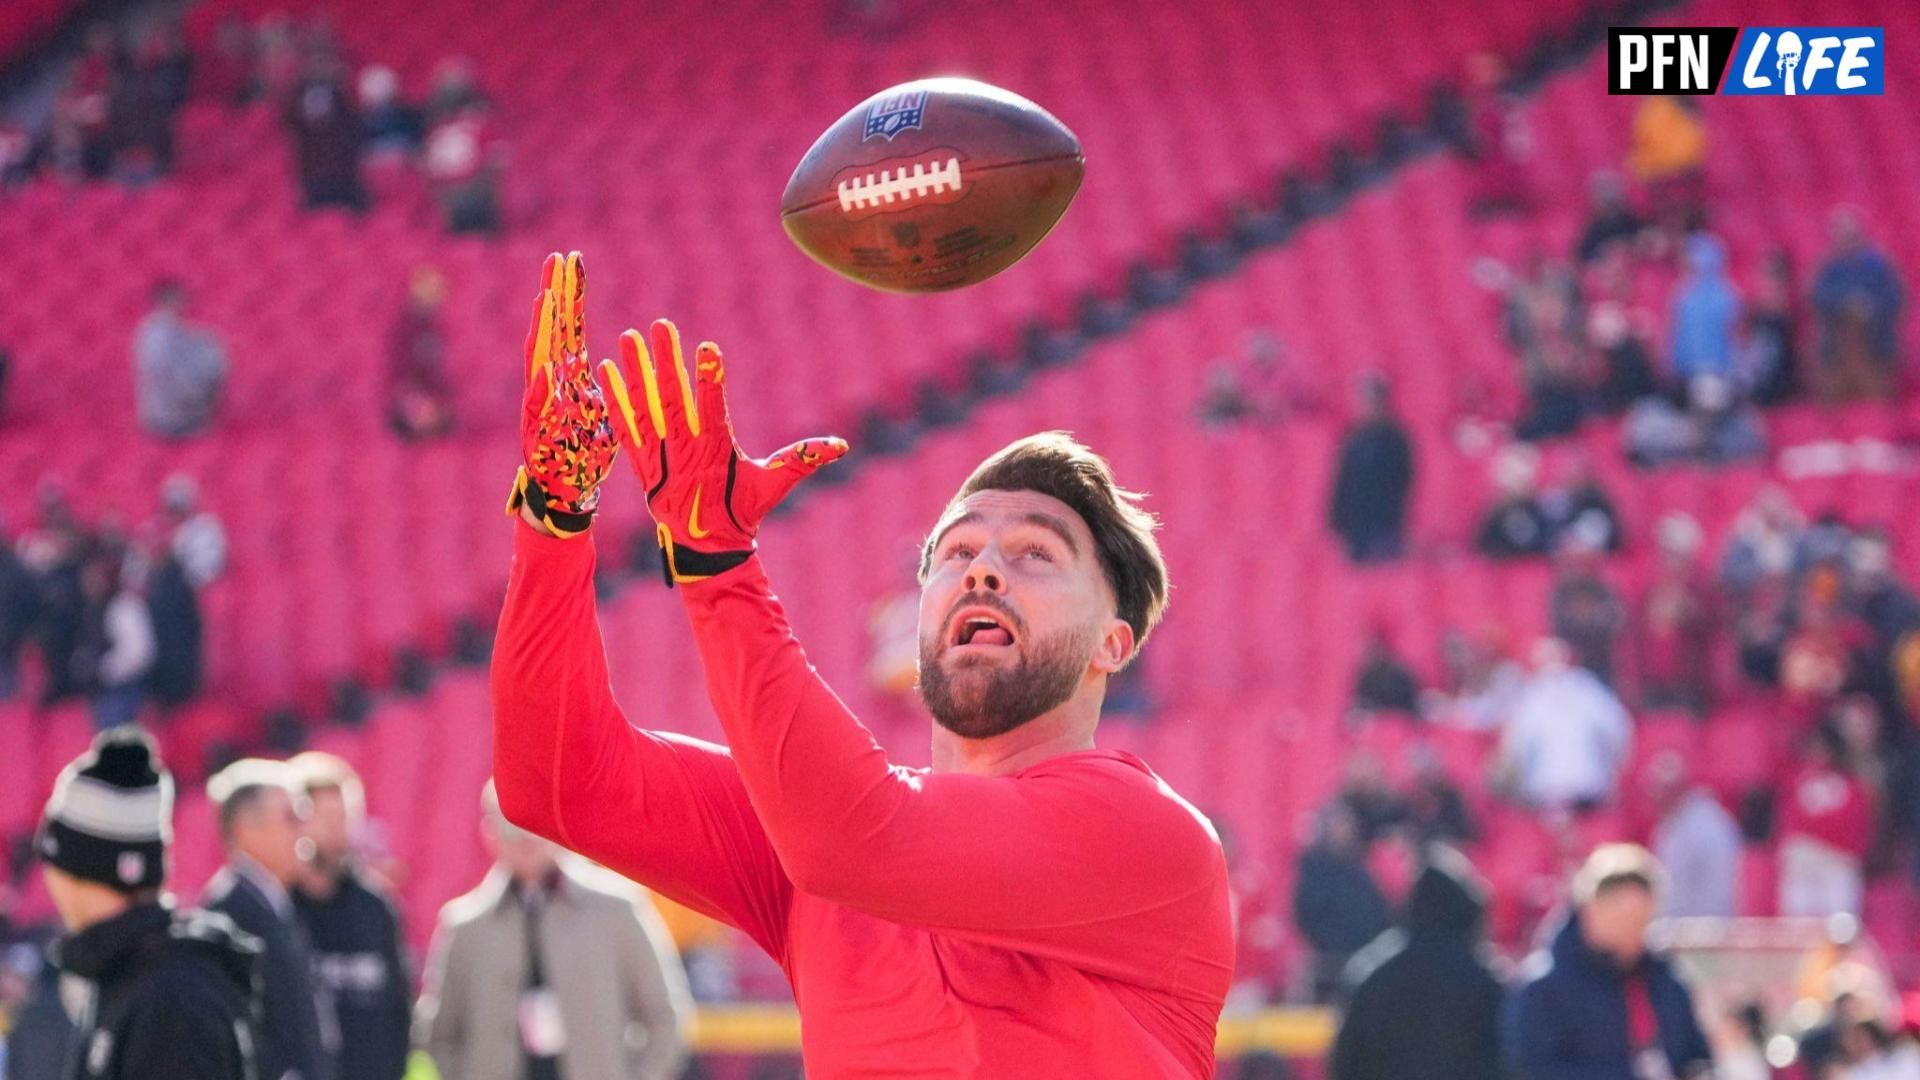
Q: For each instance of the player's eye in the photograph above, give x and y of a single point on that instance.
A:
(960, 551)
(1035, 551)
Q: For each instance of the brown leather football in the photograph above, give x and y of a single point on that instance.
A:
(932, 185)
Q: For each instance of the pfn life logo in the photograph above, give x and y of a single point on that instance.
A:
(1757, 60)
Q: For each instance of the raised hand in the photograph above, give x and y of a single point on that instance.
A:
(707, 497)
(566, 442)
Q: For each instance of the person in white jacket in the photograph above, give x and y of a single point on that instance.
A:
(129, 647)
(1568, 735)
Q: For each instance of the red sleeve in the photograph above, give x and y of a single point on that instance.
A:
(665, 810)
(1071, 857)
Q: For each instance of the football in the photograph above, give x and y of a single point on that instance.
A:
(932, 185)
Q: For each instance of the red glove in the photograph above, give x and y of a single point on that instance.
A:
(707, 498)
(565, 438)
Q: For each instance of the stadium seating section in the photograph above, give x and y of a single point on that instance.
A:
(349, 544)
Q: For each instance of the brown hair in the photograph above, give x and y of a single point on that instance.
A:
(1055, 463)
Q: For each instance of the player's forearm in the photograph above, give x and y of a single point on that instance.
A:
(820, 784)
(554, 720)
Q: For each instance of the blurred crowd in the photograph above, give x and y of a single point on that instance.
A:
(547, 968)
(118, 113)
(106, 610)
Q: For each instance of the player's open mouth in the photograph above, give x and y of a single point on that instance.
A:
(980, 626)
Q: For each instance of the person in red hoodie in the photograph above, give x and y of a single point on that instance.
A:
(1826, 829)
(1029, 906)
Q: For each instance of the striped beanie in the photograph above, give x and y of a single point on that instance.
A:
(111, 815)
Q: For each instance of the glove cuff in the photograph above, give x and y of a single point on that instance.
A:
(685, 564)
(564, 524)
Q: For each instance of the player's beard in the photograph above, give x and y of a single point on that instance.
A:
(982, 700)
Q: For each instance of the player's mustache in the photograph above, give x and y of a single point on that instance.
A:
(991, 602)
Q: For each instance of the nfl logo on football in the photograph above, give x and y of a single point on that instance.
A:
(895, 113)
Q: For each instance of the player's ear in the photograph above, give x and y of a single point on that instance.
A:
(1115, 648)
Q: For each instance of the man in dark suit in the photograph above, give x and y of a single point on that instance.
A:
(262, 824)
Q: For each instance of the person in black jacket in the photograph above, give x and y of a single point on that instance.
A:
(1425, 1003)
(1598, 1004)
(353, 927)
(1336, 904)
(174, 990)
(1375, 477)
(262, 820)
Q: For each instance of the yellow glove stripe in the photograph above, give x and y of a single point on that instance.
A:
(650, 381)
(665, 536)
(617, 386)
(686, 384)
(543, 341)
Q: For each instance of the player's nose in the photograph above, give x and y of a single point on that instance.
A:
(985, 575)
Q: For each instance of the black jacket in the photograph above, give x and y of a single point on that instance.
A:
(1567, 1020)
(355, 935)
(1375, 476)
(1426, 1003)
(1336, 904)
(290, 1040)
(175, 997)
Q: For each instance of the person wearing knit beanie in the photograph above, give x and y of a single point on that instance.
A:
(110, 818)
(174, 994)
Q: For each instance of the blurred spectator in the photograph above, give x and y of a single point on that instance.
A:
(421, 394)
(1858, 298)
(170, 993)
(1516, 526)
(1816, 660)
(278, 66)
(391, 125)
(1586, 611)
(1871, 1051)
(39, 1033)
(1426, 1001)
(1768, 540)
(1610, 217)
(1598, 1002)
(1436, 812)
(1706, 313)
(1696, 840)
(549, 969)
(1374, 479)
(1481, 681)
(1568, 737)
(358, 950)
(226, 73)
(55, 552)
(1669, 155)
(262, 819)
(129, 648)
(1674, 623)
(1545, 319)
(181, 367)
(146, 98)
(1771, 356)
(19, 610)
(327, 136)
(1826, 829)
(1718, 425)
(196, 536)
(1579, 511)
(1499, 142)
(1336, 904)
(1224, 402)
(1739, 1039)
(454, 91)
(463, 163)
(1384, 683)
(1626, 359)
(173, 605)
(1366, 795)
(83, 109)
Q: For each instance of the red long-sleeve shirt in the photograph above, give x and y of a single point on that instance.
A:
(1070, 919)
